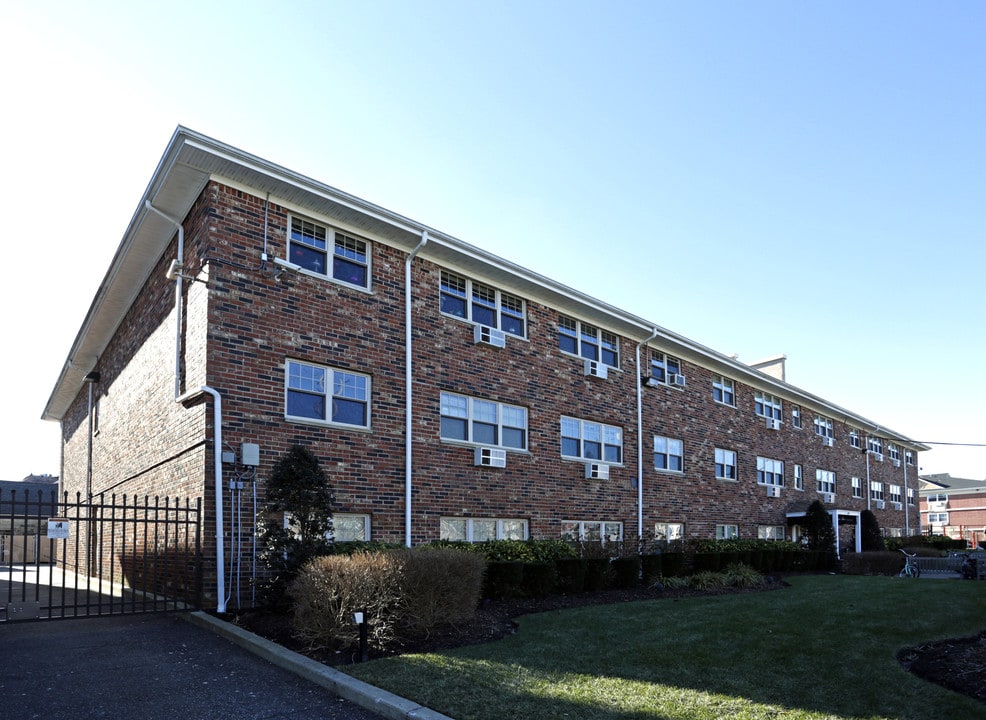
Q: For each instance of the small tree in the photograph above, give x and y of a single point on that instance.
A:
(818, 528)
(871, 537)
(298, 493)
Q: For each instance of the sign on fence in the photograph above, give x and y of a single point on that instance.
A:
(58, 529)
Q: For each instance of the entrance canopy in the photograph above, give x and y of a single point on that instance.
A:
(838, 516)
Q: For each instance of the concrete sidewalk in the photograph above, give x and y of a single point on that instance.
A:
(161, 667)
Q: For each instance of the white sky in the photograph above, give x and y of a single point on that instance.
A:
(762, 177)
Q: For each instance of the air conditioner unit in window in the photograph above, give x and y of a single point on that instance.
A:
(773, 424)
(880, 504)
(828, 442)
(486, 335)
(773, 491)
(876, 455)
(897, 506)
(676, 380)
(651, 381)
(594, 368)
(491, 457)
(896, 463)
(828, 498)
(596, 471)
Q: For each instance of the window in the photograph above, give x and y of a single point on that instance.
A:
(770, 472)
(591, 441)
(876, 490)
(895, 494)
(857, 487)
(823, 426)
(308, 246)
(483, 422)
(481, 529)
(662, 367)
(327, 395)
(910, 496)
(894, 452)
(825, 481)
(592, 531)
(588, 341)
(482, 304)
(909, 457)
(875, 445)
(727, 532)
(796, 416)
(938, 518)
(349, 528)
(669, 532)
(668, 454)
(725, 464)
(799, 478)
(770, 532)
(767, 405)
(854, 439)
(723, 390)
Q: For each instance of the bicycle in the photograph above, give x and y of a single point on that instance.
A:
(910, 568)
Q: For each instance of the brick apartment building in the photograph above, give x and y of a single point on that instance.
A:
(955, 507)
(446, 391)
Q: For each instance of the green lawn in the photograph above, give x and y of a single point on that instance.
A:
(823, 648)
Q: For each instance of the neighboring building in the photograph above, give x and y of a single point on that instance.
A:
(448, 392)
(955, 507)
(22, 505)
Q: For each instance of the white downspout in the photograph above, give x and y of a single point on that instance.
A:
(640, 439)
(907, 509)
(408, 406)
(217, 409)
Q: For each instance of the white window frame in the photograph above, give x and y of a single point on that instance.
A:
(473, 417)
(482, 303)
(669, 531)
(365, 519)
(910, 496)
(662, 366)
(723, 390)
(876, 490)
(302, 379)
(823, 426)
(601, 531)
(588, 341)
(857, 486)
(938, 518)
(768, 406)
(669, 448)
(909, 457)
(825, 481)
(894, 491)
(609, 439)
(725, 464)
(770, 472)
(336, 244)
(893, 451)
(796, 416)
(470, 526)
(799, 477)
(770, 532)
(875, 445)
(854, 440)
(727, 532)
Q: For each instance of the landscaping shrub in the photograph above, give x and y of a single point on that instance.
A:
(504, 579)
(598, 574)
(742, 576)
(538, 579)
(651, 568)
(673, 563)
(570, 575)
(626, 572)
(877, 562)
(328, 590)
(675, 582)
(439, 585)
(871, 539)
(707, 561)
(708, 580)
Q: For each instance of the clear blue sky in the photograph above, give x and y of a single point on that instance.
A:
(762, 177)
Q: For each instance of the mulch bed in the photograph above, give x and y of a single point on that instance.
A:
(957, 664)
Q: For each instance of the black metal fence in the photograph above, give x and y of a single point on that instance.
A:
(97, 556)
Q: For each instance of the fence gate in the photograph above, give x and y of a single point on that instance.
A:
(107, 555)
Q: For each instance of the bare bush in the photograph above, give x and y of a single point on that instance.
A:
(440, 585)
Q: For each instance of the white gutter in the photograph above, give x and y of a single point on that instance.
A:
(408, 406)
(217, 410)
(640, 438)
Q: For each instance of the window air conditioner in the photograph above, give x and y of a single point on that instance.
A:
(773, 491)
(596, 471)
(491, 457)
(594, 368)
(651, 381)
(877, 455)
(676, 380)
(483, 334)
(880, 505)
(828, 498)
(828, 442)
(896, 463)
(897, 506)
(773, 424)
